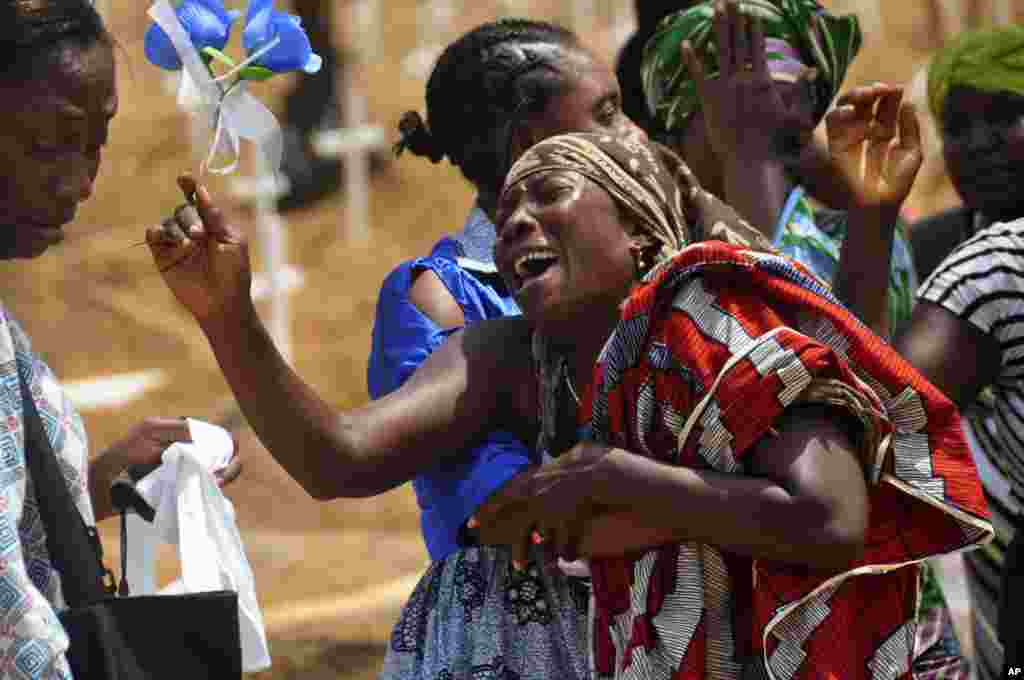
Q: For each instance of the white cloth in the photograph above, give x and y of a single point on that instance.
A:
(193, 513)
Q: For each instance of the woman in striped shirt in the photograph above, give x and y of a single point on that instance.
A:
(967, 332)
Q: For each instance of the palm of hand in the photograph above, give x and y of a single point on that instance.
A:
(875, 142)
(745, 115)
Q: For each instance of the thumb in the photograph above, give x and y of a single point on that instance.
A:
(214, 221)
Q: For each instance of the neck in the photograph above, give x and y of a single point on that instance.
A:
(585, 338)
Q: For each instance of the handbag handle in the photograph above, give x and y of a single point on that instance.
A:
(75, 549)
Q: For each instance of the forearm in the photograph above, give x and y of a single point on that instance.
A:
(452, 400)
(862, 277)
(749, 516)
(757, 190)
(314, 444)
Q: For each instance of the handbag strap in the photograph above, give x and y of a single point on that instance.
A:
(75, 549)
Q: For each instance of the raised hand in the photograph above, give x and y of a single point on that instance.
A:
(875, 141)
(743, 110)
(203, 259)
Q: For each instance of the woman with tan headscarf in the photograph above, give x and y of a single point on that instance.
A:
(731, 414)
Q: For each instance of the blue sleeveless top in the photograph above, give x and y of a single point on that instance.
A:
(403, 338)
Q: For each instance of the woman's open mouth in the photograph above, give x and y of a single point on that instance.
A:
(532, 265)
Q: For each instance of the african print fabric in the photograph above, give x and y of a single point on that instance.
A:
(473, 617)
(32, 640)
(796, 31)
(722, 340)
(814, 238)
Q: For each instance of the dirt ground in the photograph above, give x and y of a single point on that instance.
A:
(331, 576)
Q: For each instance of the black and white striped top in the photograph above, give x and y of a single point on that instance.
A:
(982, 282)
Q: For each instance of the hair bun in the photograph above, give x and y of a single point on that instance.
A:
(417, 138)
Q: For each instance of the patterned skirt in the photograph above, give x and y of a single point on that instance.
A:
(472, 617)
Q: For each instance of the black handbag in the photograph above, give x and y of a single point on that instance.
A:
(150, 637)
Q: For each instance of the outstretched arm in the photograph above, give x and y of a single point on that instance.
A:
(453, 399)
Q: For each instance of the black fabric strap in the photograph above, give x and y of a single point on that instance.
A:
(74, 547)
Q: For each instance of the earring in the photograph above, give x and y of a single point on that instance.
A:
(642, 263)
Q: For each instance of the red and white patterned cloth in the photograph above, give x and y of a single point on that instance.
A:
(695, 611)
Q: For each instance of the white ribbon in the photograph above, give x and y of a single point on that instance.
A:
(230, 114)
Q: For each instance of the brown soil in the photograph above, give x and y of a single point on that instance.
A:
(310, 559)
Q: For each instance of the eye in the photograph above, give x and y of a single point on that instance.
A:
(551, 191)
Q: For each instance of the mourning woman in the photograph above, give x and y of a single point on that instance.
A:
(711, 400)
(58, 93)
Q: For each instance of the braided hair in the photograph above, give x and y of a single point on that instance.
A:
(33, 30)
(482, 88)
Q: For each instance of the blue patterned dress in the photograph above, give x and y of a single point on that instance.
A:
(32, 641)
(471, 616)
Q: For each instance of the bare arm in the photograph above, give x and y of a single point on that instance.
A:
(449, 403)
(434, 301)
(462, 391)
(954, 355)
(805, 503)
(862, 277)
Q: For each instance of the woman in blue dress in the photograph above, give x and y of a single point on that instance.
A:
(496, 90)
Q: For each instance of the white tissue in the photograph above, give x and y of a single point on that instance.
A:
(193, 513)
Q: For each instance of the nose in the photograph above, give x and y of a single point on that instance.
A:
(516, 226)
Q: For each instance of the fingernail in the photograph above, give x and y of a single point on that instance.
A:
(203, 193)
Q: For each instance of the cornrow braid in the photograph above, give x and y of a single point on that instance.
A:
(35, 29)
(482, 87)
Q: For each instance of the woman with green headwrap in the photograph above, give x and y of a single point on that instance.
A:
(723, 117)
(757, 67)
(966, 334)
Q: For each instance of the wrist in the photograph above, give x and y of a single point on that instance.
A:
(230, 321)
(882, 215)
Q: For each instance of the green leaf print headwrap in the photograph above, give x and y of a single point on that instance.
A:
(796, 32)
(988, 60)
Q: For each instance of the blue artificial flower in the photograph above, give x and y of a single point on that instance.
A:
(207, 23)
(292, 53)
